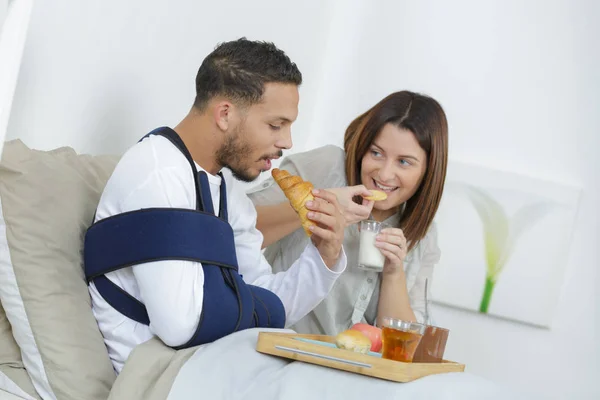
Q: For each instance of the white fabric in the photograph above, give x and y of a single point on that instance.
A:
(12, 301)
(9, 387)
(154, 173)
(231, 368)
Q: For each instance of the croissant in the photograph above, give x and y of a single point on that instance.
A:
(298, 192)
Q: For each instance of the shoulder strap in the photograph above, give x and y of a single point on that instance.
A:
(202, 186)
(205, 190)
(174, 138)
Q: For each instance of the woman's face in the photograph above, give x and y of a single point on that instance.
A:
(395, 163)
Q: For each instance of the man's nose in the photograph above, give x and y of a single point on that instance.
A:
(285, 140)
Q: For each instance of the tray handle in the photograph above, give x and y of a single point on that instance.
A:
(331, 358)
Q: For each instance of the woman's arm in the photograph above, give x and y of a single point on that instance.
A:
(276, 221)
(394, 301)
(393, 298)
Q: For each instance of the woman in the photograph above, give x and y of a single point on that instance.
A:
(399, 146)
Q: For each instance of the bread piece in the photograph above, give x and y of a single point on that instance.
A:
(298, 192)
(376, 195)
(353, 340)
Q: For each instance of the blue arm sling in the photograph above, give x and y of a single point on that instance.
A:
(157, 234)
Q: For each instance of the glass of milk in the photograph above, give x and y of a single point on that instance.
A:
(370, 258)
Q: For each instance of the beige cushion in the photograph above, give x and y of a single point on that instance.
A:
(48, 200)
(13, 376)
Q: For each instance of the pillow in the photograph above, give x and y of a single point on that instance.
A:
(13, 377)
(47, 201)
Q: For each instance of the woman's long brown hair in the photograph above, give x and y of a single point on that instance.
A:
(425, 118)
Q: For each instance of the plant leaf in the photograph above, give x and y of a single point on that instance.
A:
(495, 226)
(523, 220)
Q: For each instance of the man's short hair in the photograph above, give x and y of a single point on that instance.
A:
(239, 70)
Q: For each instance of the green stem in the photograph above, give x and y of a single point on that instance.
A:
(487, 295)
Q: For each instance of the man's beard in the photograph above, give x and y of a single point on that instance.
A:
(233, 155)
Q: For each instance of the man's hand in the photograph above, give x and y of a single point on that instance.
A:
(353, 212)
(328, 233)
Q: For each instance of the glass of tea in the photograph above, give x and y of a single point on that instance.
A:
(400, 339)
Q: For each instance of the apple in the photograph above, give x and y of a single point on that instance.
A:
(372, 332)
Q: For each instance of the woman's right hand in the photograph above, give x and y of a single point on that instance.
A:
(351, 211)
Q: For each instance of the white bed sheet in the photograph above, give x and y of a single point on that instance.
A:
(8, 396)
(231, 368)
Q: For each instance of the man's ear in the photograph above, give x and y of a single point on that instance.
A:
(222, 114)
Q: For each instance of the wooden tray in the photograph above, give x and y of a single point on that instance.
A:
(321, 350)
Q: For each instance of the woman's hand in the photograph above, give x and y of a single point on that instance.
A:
(392, 243)
(353, 212)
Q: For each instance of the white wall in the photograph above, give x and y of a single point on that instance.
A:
(14, 25)
(3, 8)
(519, 81)
(98, 75)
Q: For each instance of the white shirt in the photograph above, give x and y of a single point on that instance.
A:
(154, 173)
(355, 296)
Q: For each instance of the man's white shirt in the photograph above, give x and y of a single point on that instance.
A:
(154, 173)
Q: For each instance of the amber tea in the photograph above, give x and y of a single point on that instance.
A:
(400, 345)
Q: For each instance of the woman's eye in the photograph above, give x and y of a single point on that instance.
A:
(404, 162)
(275, 127)
(375, 153)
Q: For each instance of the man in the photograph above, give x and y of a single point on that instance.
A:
(145, 277)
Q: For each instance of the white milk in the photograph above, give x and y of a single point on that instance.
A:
(369, 256)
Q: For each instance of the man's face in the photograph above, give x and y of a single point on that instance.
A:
(261, 133)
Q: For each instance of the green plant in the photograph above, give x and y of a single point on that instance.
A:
(500, 233)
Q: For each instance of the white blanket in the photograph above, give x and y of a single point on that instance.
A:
(231, 368)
